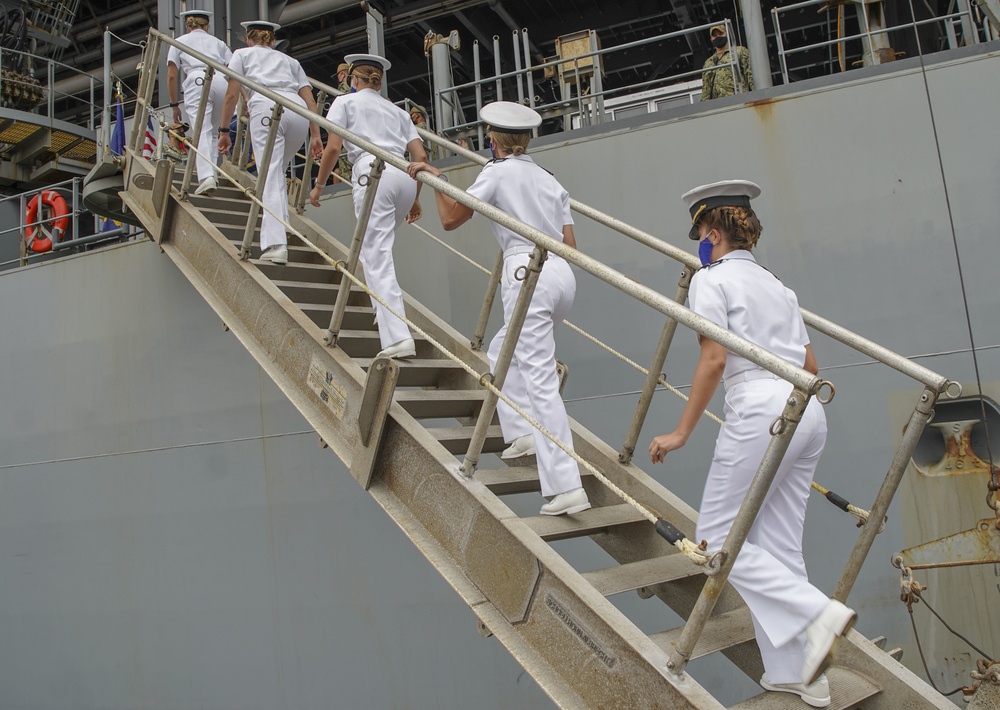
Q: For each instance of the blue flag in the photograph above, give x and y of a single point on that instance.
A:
(117, 148)
(118, 135)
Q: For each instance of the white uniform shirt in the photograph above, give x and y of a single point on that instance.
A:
(375, 119)
(269, 68)
(200, 41)
(739, 294)
(521, 188)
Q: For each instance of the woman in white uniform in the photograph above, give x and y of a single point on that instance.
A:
(515, 184)
(262, 63)
(367, 113)
(797, 625)
(198, 39)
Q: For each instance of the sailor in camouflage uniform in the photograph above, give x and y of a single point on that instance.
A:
(716, 83)
(344, 166)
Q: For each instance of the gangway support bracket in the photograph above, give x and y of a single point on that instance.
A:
(380, 386)
(159, 186)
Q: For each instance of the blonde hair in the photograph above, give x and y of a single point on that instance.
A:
(369, 74)
(261, 36)
(196, 22)
(738, 225)
(513, 143)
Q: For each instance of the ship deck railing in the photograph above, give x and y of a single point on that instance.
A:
(85, 227)
(960, 27)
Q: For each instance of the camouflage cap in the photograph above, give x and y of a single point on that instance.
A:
(721, 29)
(343, 67)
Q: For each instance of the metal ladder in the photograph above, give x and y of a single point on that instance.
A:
(400, 427)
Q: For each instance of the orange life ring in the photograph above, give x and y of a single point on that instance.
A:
(59, 219)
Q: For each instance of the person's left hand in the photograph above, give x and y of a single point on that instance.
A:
(664, 444)
(316, 147)
(415, 212)
(413, 168)
(225, 143)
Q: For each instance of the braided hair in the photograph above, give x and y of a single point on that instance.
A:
(195, 22)
(738, 225)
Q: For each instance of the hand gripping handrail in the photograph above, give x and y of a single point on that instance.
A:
(798, 377)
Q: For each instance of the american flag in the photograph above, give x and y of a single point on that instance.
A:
(149, 145)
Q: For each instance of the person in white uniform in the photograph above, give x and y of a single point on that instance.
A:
(262, 63)
(797, 625)
(198, 39)
(367, 113)
(515, 184)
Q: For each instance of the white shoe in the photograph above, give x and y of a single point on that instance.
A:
(573, 501)
(207, 186)
(823, 636)
(277, 254)
(816, 694)
(521, 446)
(402, 349)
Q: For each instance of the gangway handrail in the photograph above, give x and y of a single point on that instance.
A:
(853, 340)
(797, 376)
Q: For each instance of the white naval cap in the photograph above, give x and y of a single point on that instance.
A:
(725, 193)
(510, 117)
(373, 60)
(260, 25)
(207, 14)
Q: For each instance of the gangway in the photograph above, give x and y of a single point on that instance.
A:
(413, 433)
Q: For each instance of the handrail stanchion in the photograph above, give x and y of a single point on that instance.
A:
(655, 368)
(240, 136)
(782, 430)
(922, 414)
(244, 122)
(533, 269)
(517, 68)
(206, 87)
(496, 66)
(22, 218)
(263, 161)
(300, 199)
(144, 91)
(484, 312)
(50, 78)
(75, 215)
(479, 92)
(527, 71)
(343, 291)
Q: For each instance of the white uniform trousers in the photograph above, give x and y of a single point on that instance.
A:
(532, 382)
(769, 573)
(393, 199)
(292, 132)
(210, 125)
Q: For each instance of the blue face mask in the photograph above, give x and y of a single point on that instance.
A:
(492, 151)
(705, 251)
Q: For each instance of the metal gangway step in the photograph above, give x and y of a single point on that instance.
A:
(403, 428)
